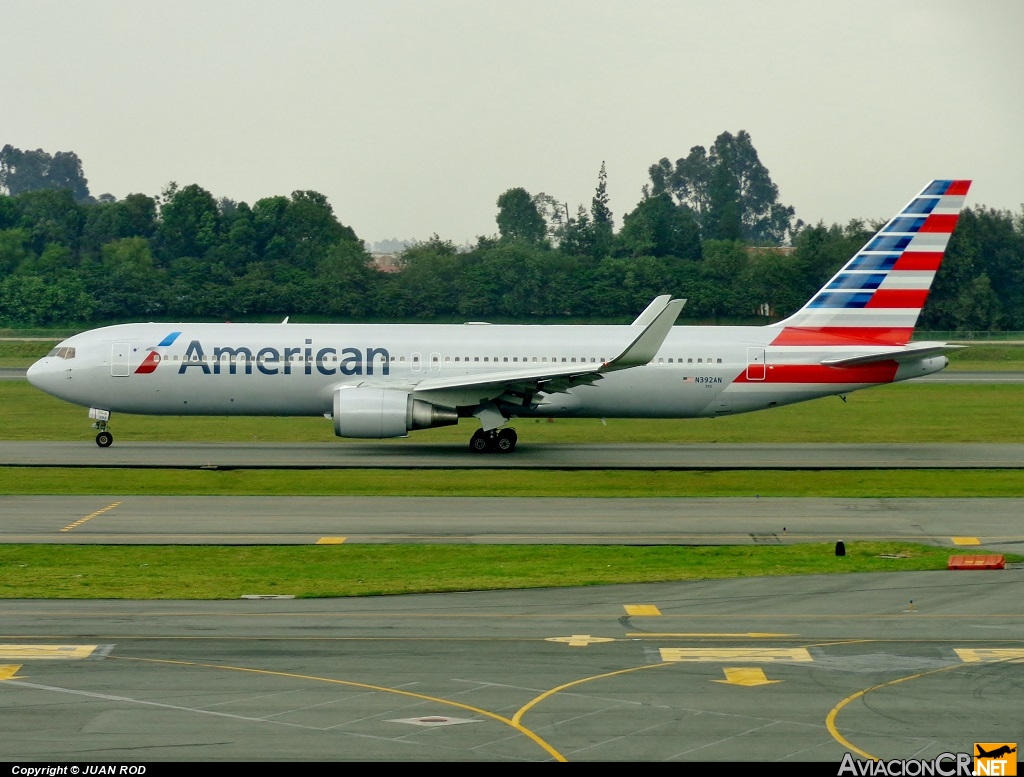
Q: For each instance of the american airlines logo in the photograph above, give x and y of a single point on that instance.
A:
(274, 361)
(153, 357)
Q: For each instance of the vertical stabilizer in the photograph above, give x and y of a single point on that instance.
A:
(877, 296)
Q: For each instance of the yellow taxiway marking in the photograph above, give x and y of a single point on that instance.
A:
(750, 655)
(975, 655)
(748, 676)
(89, 517)
(35, 652)
(641, 609)
(717, 634)
(513, 722)
(9, 671)
(830, 719)
(331, 540)
(549, 693)
(580, 640)
(965, 540)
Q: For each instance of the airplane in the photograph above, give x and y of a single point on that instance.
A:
(386, 380)
(999, 751)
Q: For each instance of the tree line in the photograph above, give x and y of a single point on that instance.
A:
(709, 227)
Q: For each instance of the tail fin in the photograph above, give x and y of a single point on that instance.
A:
(878, 295)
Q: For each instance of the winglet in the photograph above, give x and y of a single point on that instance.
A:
(646, 344)
(651, 311)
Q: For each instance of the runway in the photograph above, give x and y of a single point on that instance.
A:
(127, 519)
(770, 669)
(405, 454)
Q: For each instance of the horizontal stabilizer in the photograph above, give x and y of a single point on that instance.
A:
(905, 354)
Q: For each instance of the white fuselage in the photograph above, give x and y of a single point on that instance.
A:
(295, 369)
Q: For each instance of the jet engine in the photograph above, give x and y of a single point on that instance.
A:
(376, 413)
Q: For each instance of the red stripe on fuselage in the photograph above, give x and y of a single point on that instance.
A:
(844, 335)
(878, 372)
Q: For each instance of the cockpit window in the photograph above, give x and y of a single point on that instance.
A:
(62, 352)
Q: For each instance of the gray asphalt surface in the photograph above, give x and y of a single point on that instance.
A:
(908, 666)
(410, 455)
(890, 666)
(126, 519)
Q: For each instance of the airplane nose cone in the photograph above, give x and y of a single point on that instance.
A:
(34, 372)
(41, 375)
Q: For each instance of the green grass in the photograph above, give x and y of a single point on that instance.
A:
(183, 572)
(534, 483)
(898, 413)
(902, 413)
(988, 358)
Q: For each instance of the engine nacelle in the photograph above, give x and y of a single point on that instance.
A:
(377, 413)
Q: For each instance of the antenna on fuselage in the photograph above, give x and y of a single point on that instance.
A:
(286, 319)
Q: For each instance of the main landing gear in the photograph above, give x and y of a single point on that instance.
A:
(496, 440)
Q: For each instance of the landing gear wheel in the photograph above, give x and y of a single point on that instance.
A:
(103, 439)
(479, 442)
(506, 441)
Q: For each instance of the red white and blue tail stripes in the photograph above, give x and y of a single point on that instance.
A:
(877, 296)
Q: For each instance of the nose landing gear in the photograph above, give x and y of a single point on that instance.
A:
(496, 440)
(104, 438)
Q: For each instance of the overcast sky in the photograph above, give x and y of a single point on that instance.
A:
(413, 117)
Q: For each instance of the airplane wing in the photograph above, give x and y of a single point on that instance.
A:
(554, 378)
(906, 354)
(651, 311)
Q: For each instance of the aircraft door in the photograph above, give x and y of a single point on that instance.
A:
(435, 362)
(416, 365)
(119, 355)
(755, 364)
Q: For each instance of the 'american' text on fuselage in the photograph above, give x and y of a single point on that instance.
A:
(271, 361)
